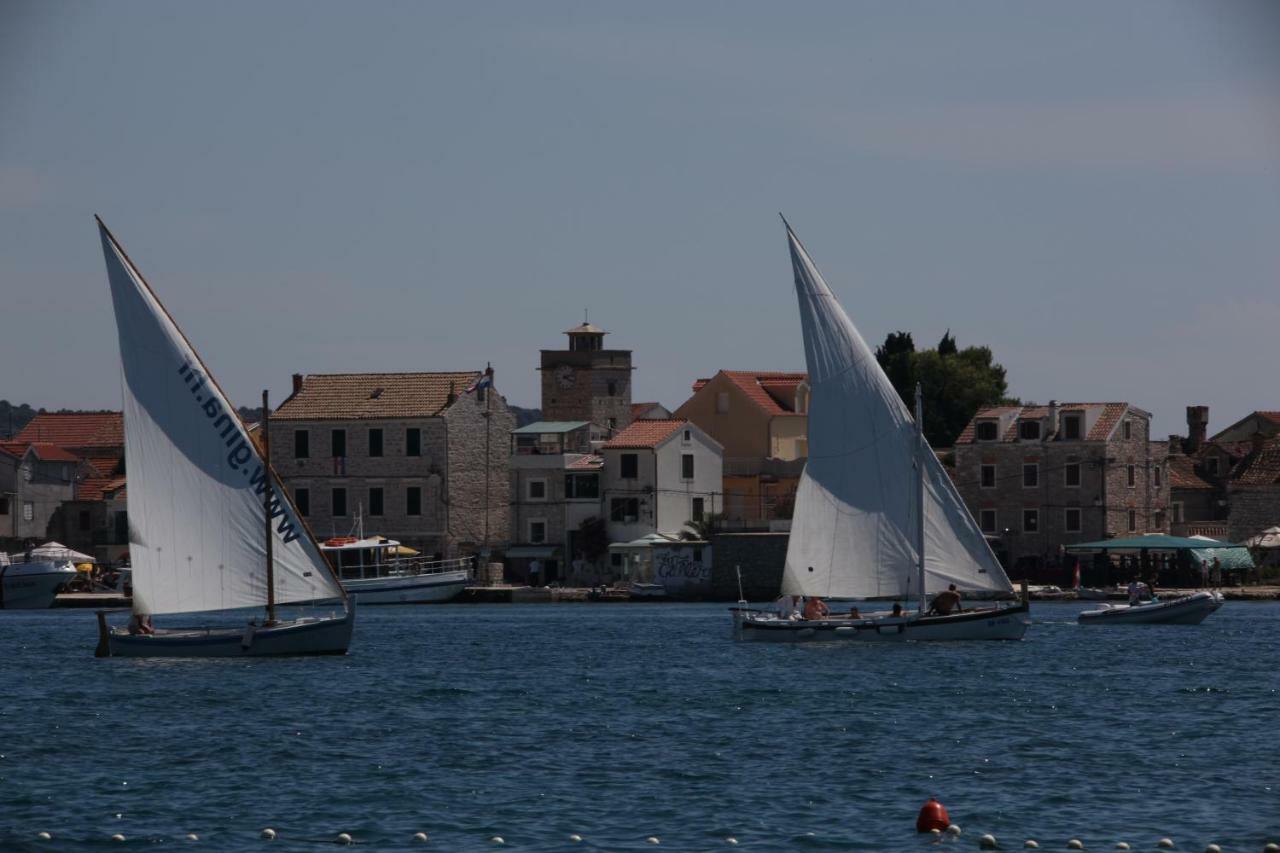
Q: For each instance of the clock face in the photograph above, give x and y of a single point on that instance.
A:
(566, 376)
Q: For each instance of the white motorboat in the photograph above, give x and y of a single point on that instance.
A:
(32, 584)
(376, 570)
(210, 528)
(876, 516)
(1188, 610)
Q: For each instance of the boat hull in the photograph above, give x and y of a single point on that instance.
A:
(1191, 610)
(1004, 623)
(32, 586)
(307, 636)
(411, 589)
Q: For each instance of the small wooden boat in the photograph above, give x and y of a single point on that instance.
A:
(1190, 610)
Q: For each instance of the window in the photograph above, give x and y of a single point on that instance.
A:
(1071, 428)
(987, 431)
(413, 441)
(1071, 475)
(537, 490)
(1133, 520)
(615, 560)
(581, 486)
(338, 443)
(302, 499)
(1031, 521)
(722, 403)
(613, 424)
(1071, 519)
(1128, 429)
(686, 466)
(537, 530)
(988, 476)
(1159, 476)
(1211, 465)
(1159, 520)
(375, 500)
(84, 519)
(987, 520)
(28, 511)
(624, 509)
(4, 506)
(1133, 475)
(1029, 430)
(688, 436)
(630, 463)
(413, 500)
(1176, 508)
(696, 512)
(613, 388)
(1030, 475)
(338, 502)
(301, 444)
(375, 442)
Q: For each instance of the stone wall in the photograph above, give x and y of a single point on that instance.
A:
(1253, 510)
(466, 422)
(760, 556)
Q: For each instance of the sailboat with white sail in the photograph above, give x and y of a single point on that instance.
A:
(876, 515)
(210, 528)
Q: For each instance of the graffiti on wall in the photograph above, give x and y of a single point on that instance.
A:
(678, 571)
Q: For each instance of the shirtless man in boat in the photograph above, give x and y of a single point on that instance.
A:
(815, 608)
(946, 603)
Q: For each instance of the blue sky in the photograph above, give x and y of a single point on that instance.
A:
(1092, 189)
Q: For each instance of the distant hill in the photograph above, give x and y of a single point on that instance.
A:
(14, 418)
(524, 417)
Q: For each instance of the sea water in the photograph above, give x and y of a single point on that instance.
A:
(621, 722)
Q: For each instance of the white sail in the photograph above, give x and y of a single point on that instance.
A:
(854, 530)
(196, 479)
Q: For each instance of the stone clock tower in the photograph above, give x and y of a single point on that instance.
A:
(587, 382)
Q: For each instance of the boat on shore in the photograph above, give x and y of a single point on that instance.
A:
(876, 515)
(377, 570)
(210, 528)
(1187, 610)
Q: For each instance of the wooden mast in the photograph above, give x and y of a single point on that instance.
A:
(266, 508)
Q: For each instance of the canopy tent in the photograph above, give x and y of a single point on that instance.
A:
(58, 551)
(1230, 557)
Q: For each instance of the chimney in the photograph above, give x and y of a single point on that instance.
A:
(1175, 445)
(1197, 427)
(1052, 431)
(297, 382)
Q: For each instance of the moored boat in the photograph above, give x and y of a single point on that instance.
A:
(32, 584)
(876, 516)
(210, 528)
(1188, 610)
(377, 570)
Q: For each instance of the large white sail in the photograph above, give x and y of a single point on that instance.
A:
(196, 480)
(855, 529)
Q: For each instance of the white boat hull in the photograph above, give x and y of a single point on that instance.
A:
(1004, 623)
(32, 586)
(410, 589)
(306, 636)
(1191, 610)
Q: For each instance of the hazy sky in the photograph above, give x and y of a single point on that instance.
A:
(1092, 189)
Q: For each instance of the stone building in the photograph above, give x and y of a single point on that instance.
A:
(1253, 492)
(1037, 478)
(418, 457)
(587, 382)
(35, 479)
(761, 419)
(1200, 469)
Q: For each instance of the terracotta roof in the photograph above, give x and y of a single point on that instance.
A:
(644, 434)
(638, 409)
(1106, 422)
(1261, 468)
(1182, 474)
(586, 463)
(755, 384)
(75, 429)
(106, 466)
(1271, 416)
(52, 453)
(16, 449)
(342, 396)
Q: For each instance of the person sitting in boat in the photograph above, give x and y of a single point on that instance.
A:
(946, 603)
(788, 606)
(815, 608)
(140, 623)
(897, 609)
(1135, 592)
(854, 614)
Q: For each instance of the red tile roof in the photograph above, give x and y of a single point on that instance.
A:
(642, 434)
(586, 463)
(105, 465)
(16, 449)
(354, 396)
(1271, 416)
(75, 429)
(1261, 468)
(1106, 422)
(639, 409)
(756, 384)
(1182, 474)
(52, 453)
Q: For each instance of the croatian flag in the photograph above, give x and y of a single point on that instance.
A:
(485, 380)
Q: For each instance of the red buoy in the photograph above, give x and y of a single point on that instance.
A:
(933, 815)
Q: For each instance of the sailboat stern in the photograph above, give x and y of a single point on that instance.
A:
(310, 635)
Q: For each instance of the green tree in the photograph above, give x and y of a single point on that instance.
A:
(955, 382)
(704, 528)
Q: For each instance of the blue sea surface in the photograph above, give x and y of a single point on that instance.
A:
(618, 722)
